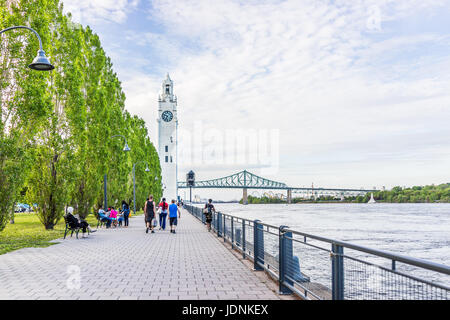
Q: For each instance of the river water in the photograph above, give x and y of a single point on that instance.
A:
(416, 230)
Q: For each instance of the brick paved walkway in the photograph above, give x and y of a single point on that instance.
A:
(130, 264)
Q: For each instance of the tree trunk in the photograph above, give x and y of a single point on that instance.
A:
(11, 221)
(49, 226)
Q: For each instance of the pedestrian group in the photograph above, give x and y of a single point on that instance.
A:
(113, 218)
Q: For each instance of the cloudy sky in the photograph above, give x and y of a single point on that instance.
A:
(340, 93)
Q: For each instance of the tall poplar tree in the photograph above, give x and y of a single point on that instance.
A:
(56, 127)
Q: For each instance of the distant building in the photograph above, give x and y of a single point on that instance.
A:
(168, 138)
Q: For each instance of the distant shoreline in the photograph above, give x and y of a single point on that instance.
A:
(321, 202)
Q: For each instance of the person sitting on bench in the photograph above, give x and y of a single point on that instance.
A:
(76, 221)
(113, 216)
(103, 217)
(120, 217)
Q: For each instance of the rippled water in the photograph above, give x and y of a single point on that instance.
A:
(416, 230)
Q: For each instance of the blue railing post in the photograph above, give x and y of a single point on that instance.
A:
(285, 253)
(224, 229)
(238, 237)
(203, 219)
(232, 232)
(219, 224)
(337, 272)
(243, 239)
(258, 245)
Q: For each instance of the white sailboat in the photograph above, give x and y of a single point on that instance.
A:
(372, 200)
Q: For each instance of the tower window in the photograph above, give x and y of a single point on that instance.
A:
(167, 89)
(171, 159)
(167, 148)
(167, 158)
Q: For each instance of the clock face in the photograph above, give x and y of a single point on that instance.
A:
(167, 116)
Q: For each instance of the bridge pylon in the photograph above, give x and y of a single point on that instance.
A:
(244, 196)
(289, 196)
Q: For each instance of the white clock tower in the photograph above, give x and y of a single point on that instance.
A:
(167, 139)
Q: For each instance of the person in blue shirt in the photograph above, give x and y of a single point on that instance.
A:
(126, 212)
(174, 214)
(103, 217)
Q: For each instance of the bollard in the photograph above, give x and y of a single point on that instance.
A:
(258, 245)
(285, 252)
(337, 272)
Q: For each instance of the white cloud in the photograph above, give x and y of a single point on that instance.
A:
(349, 99)
(310, 69)
(96, 11)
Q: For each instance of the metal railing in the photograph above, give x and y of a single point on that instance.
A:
(317, 268)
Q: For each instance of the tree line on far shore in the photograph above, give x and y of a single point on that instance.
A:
(56, 127)
(417, 194)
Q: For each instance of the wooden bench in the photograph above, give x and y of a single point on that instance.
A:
(72, 229)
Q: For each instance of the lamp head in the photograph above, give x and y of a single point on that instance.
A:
(41, 62)
(147, 169)
(126, 148)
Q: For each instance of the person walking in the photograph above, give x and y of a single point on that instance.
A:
(163, 214)
(126, 212)
(150, 212)
(208, 211)
(174, 214)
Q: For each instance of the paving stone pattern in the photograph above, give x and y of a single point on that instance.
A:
(127, 263)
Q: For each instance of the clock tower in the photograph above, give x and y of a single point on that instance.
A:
(167, 139)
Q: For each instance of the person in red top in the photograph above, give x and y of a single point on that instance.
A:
(163, 214)
(113, 216)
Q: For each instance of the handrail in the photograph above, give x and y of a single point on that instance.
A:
(288, 270)
(385, 254)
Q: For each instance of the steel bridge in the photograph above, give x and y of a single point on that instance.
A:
(246, 180)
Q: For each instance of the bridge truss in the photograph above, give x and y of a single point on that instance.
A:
(240, 180)
(248, 180)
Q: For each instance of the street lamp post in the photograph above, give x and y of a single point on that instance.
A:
(41, 62)
(134, 183)
(105, 179)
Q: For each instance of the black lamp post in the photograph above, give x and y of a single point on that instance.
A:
(41, 62)
(134, 182)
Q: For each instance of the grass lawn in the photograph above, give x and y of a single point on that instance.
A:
(28, 231)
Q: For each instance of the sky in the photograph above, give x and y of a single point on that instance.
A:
(337, 93)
